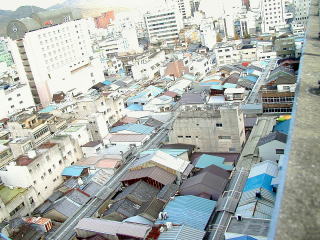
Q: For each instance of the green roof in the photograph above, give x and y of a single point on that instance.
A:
(7, 194)
(206, 160)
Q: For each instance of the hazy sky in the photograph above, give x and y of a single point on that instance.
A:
(14, 4)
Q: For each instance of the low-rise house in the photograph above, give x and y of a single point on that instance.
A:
(127, 139)
(206, 185)
(206, 160)
(100, 162)
(173, 165)
(159, 104)
(66, 206)
(75, 171)
(145, 96)
(89, 227)
(181, 232)
(181, 86)
(79, 132)
(188, 210)
(91, 148)
(272, 146)
(174, 152)
(155, 176)
(132, 129)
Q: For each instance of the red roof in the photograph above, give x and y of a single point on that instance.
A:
(245, 64)
(23, 160)
(47, 145)
(170, 94)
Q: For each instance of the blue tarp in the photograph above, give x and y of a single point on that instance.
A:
(260, 181)
(283, 127)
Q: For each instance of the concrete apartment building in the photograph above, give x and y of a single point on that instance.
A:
(164, 25)
(184, 7)
(226, 54)
(14, 97)
(53, 52)
(210, 129)
(272, 14)
(301, 13)
(41, 167)
(147, 66)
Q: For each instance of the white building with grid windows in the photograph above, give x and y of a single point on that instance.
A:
(54, 53)
(273, 15)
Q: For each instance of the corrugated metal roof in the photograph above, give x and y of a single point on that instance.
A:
(155, 173)
(163, 159)
(182, 233)
(172, 152)
(138, 219)
(73, 171)
(189, 210)
(258, 209)
(113, 228)
(206, 160)
(138, 128)
(266, 167)
(273, 136)
(260, 181)
(283, 127)
(243, 238)
(154, 91)
(250, 196)
(135, 107)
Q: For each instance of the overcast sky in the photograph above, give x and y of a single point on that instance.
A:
(14, 4)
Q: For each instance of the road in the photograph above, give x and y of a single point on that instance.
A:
(66, 230)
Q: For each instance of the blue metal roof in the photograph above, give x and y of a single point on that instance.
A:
(242, 238)
(251, 78)
(155, 91)
(189, 210)
(209, 83)
(182, 232)
(189, 77)
(48, 109)
(135, 107)
(282, 127)
(106, 82)
(206, 160)
(172, 152)
(73, 171)
(217, 87)
(260, 181)
(229, 85)
(138, 128)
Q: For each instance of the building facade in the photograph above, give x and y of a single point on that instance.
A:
(273, 15)
(54, 52)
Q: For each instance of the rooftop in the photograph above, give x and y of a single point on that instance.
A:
(7, 194)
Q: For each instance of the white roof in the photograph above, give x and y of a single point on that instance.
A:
(266, 167)
(166, 160)
(234, 90)
(181, 84)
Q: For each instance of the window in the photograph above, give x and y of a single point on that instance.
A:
(60, 162)
(279, 151)
(188, 136)
(48, 158)
(218, 124)
(224, 137)
(49, 170)
(180, 136)
(232, 149)
(34, 182)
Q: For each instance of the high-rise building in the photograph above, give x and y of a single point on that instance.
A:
(273, 15)
(53, 52)
(5, 55)
(164, 24)
(184, 7)
(301, 12)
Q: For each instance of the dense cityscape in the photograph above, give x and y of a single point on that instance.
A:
(179, 120)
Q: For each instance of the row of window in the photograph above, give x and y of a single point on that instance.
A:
(277, 110)
(277, 99)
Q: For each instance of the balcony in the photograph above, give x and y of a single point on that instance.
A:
(297, 214)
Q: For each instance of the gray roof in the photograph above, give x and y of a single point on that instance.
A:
(204, 183)
(245, 83)
(277, 136)
(167, 192)
(250, 121)
(151, 122)
(151, 209)
(71, 183)
(138, 192)
(92, 188)
(213, 169)
(249, 226)
(124, 208)
(192, 98)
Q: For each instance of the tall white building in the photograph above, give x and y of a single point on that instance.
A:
(208, 34)
(273, 15)
(53, 51)
(301, 12)
(229, 28)
(184, 7)
(164, 24)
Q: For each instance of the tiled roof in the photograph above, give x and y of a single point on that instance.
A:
(138, 128)
(189, 210)
(155, 173)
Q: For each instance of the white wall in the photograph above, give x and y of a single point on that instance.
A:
(268, 150)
